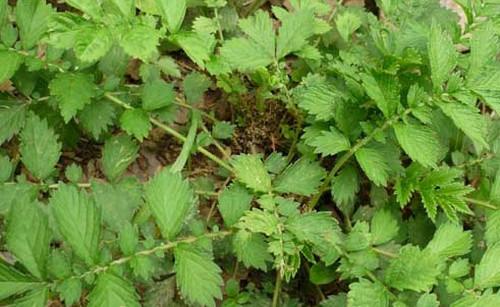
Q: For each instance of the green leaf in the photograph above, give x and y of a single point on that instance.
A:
(126, 7)
(32, 18)
(5, 169)
(157, 94)
(374, 165)
(443, 55)
(170, 199)
(359, 238)
(128, 239)
(296, 28)
(450, 241)
(487, 272)
(118, 201)
(74, 173)
(89, 7)
(194, 86)
(251, 249)
(9, 193)
(115, 62)
(345, 185)
(70, 291)
(34, 298)
(419, 142)
(319, 274)
(260, 221)
(364, 293)
(347, 23)
(73, 91)
(78, 221)
(197, 275)
(467, 119)
(12, 116)
(173, 11)
(11, 61)
(118, 153)
(14, 282)
(428, 300)
(97, 117)
(330, 142)
(384, 227)
(112, 290)
(28, 235)
(484, 47)
(302, 178)
(233, 202)
(223, 130)
(92, 43)
(492, 234)
(140, 41)
(169, 66)
(313, 226)
(385, 90)
(198, 48)
(317, 97)
(250, 170)
(136, 122)
(3, 11)
(39, 149)
(459, 268)
(413, 270)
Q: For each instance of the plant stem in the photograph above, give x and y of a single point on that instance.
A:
(385, 253)
(326, 184)
(253, 7)
(179, 102)
(219, 27)
(277, 289)
(480, 203)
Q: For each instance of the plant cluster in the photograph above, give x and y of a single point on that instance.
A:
(383, 191)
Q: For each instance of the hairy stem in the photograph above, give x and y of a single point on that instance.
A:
(480, 203)
(277, 289)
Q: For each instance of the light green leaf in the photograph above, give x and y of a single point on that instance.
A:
(170, 199)
(6, 168)
(330, 142)
(384, 227)
(374, 165)
(467, 119)
(12, 117)
(198, 48)
(428, 300)
(385, 90)
(347, 23)
(260, 221)
(419, 142)
(194, 86)
(78, 221)
(11, 61)
(115, 62)
(173, 11)
(251, 249)
(250, 170)
(197, 275)
(140, 41)
(492, 234)
(317, 97)
(319, 274)
(459, 268)
(259, 29)
(450, 241)
(73, 91)
(112, 290)
(136, 122)
(28, 235)
(364, 293)
(443, 55)
(97, 117)
(413, 270)
(14, 282)
(487, 272)
(345, 185)
(169, 66)
(118, 153)
(128, 239)
(313, 226)
(302, 178)
(3, 10)
(92, 43)
(32, 18)
(126, 7)
(89, 7)
(233, 202)
(34, 298)
(484, 47)
(157, 94)
(359, 238)
(223, 130)
(9, 193)
(39, 148)
(70, 291)
(296, 29)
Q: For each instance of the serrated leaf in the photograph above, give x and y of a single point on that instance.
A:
(112, 290)
(223, 130)
(128, 239)
(296, 28)
(9, 193)
(32, 18)
(484, 47)
(34, 298)
(89, 7)
(5, 168)
(319, 274)
(28, 236)
(330, 142)
(157, 94)
(11, 61)
(70, 291)
(260, 221)
(170, 199)
(233, 202)
(118, 153)
(428, 300)
(364, 293)
(14, 282)
(450, 241)
(115, 62)
(468, 120)
(302, 178)
(347, 23)
(169, 66)
(443, 55)
(359, 238)
(250, 170)
(73, 92)
(373, 164)
(345, 185)
(173, 11)
(198, 48)
(39, 148)
(487, 272)
(459, 268)
(313, 226)
(78, 221)
(194, 86)
(92, 43)
(136, 122)
(492, 234)
(384, 227)
(126, 7)
(97, 117)
(318, 98)
(251, 249)
(3, 10)
(140, 42)
(12, 116)
(419, 142)
(197, 275)
(385, 90)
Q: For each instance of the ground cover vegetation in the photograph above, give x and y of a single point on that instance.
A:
(249, 153)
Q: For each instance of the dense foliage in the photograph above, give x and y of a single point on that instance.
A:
(382, 188)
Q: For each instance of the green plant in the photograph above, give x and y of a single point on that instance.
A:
(386, 191)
